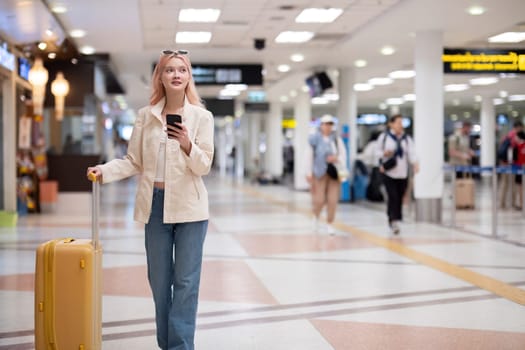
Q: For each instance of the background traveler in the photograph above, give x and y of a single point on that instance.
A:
(171, 198)
(459, 150)
(505, 158)
(326, 148)
(395, 143)
(519, 162)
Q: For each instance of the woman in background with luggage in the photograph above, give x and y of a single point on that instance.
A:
(171, 198)
(396, 153)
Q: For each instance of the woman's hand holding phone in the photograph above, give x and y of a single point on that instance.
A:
(176, 130)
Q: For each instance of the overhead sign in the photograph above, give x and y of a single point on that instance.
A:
(484, 61)
(221, 74)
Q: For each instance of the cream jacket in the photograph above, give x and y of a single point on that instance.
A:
(185, 197)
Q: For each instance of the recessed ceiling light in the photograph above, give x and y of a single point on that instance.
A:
(380, 81)
(319, 101)
(402, 74)
(87, 50)
(42, 45)
(318, 15)
(503, 94)
(77, 33)
(283, 98)
(508, 37)
(456, 102)
(483, 81)
(409, 97)
(305, 88)
(59, 8)
(227, 92)
(49, 32)
(456, 87)
(283, 68)
(293, 93)
(516, 98)
(478, 98)
(193, 37)
(199, 15)
(387, 50)
(293, 37)
(476, 10)
(363, 87)
(498, 101)
(360, 63)
(238, 87)
(52, 55)
(394, 101)
(297, 57)
(382, 106)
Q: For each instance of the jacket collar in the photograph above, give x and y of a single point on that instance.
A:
(157, 108)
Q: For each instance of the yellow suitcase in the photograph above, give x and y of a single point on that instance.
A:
(68, 291)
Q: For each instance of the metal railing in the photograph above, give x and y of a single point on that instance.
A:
(494, 171)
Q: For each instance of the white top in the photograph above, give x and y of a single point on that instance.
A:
(400, 171)
(161, 159)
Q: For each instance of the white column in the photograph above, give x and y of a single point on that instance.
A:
(488, 132)
(253, 163)
(428, 125)
(9, 121)
(239, 134)
(347, 107)
(274, 140)
(303, 114)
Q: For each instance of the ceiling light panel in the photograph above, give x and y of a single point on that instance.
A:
(193, 37)
(402, 74)
(293, 37)
(483, 81)
(476, 10)
(456, 87)
(318, 15)
(508, 37)
(199, 15)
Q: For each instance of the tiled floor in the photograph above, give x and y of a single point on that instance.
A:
(270, 282)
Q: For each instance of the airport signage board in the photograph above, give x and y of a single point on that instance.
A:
(221, 74)
(484, 61)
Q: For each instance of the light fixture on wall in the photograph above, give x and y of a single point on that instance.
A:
(60, 89)
(38, 78)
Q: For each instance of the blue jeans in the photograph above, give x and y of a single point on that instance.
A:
(174, 255)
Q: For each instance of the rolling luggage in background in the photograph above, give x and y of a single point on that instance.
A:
(68, 293)
(360, 181)
(464, 193)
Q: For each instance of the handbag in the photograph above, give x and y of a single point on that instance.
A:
(390, 163)
(331, 171)
(337, 172)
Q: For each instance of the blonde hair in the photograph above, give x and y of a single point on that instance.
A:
(157, 89)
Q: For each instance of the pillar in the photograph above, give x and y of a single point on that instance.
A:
(303, 115)
(428, 125)
(488, 132)
(274, 140)
(9, 121)
(347, 109)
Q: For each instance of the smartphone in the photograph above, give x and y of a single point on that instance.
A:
(171, 119)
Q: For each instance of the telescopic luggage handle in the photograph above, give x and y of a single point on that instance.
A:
(95, 209)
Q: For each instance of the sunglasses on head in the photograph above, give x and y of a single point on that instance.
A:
(176, 52)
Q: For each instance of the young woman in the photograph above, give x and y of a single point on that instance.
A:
(171, 199)
(396, 144)
(326, 148)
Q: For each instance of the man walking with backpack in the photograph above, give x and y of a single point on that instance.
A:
(505, 158)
